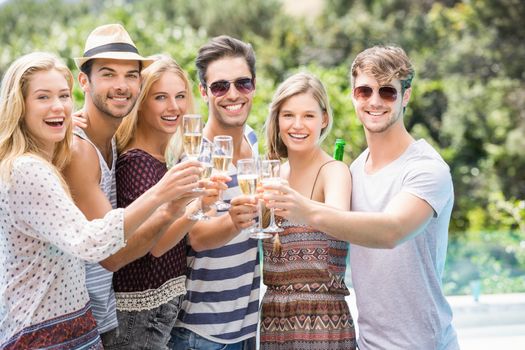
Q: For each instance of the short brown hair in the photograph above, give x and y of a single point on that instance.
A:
(384, 63)
(220, 47)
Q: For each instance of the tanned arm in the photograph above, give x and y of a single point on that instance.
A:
(220, 230)
(83, 177)
(404, 217)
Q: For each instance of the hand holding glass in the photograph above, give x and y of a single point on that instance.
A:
(270, 174)
(222, 158)
(192, 137)
(205, 159)
(247, 177)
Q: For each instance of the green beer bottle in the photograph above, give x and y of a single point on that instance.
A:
(339, 149)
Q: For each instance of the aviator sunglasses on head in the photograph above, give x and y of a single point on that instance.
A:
(387, 93)
(221, 87)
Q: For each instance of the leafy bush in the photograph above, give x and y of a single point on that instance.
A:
(468, 96)
(496, 259)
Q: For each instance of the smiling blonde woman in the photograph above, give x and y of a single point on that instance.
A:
(45, 239)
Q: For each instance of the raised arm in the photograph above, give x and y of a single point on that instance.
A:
(220, 230)
(178, 229)
(144, 238)
(83, 176)
(404, 217)
(42, 209)
(182, 178)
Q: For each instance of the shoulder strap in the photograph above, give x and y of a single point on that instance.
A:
(250, 135)
(317, 176)
(103, 165)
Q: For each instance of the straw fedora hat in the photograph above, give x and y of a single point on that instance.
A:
(110, 41)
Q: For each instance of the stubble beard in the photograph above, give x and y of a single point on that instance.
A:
(103, 107)
(228, 122)
(383, 128)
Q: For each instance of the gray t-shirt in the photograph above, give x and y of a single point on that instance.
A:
(398, 291)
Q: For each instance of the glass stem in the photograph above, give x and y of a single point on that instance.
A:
(200, 205)
(259, 214)
(272, 218)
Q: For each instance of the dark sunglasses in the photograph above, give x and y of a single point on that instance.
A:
(387, 93)
(221, 87)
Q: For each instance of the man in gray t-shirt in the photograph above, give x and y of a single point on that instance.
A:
(398, 291)
(402, 198)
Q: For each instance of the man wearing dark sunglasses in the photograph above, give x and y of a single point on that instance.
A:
(402, 198)
(221, 306)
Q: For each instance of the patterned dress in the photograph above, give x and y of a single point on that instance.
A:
(304, 307)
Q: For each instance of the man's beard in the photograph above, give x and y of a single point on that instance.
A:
(385, 127)
(103, 107)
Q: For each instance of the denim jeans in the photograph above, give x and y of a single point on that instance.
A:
(184, 339)
(147, 329)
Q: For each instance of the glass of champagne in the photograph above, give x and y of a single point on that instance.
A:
(192, 138)
(222, 158)
(247, 176)
(205, 159)
(270, 175)
(192, 135)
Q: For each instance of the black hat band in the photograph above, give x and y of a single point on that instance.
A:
(118, 47)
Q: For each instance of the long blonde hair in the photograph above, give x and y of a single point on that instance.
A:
(299, 83)
(15, 138)
(150, 75)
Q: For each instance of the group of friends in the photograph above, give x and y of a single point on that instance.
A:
(96, 247)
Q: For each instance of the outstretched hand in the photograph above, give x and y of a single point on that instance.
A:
(243, 211)
(179, 182)
(212, 187)
(286, 202)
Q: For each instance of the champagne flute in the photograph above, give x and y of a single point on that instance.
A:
(222, 158)
(262, 234)
(192, 135)
(205, 159)
(192, 138)
(270, 175)
(247, 177)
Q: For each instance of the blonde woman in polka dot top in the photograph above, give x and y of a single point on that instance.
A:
(44, 238)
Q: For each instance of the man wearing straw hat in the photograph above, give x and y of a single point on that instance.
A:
(110, 78)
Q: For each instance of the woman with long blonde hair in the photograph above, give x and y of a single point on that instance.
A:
(127, 132)
(304, 305)
(45, 237)
(149, 290)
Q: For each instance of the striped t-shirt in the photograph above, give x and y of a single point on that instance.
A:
(222, 300)
(98, 279)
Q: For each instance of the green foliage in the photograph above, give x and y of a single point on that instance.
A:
(215, 17)
(468, 97)
(494, 258)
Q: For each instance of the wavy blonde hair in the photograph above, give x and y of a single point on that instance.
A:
(126, 131)
(15, 138)
(297, 84)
